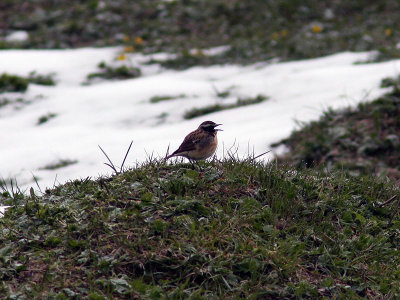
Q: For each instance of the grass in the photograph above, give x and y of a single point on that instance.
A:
(237, 230)
(18, 101)
(59, 164)
(162, 98)
(196, 112)
(41, 79)
(110, 72)
(45, 118)
(222, 94)
(14, 83)
(10, 83)
(254, 30)
(360, 140)
(4, 101)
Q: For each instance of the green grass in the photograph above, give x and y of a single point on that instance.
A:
(15, 83)
(4, 101)
(110, 72)
(196, 112)
(12, 83)
(59, 164)
(41, 79)
(236, 230)
(157, 99)
(224, 93)
(45, 118)
(255, 30)
(18, 101)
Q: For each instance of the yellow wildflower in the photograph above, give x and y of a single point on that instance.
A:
(138, 40)
(317, 29)
(388, 32)
(122, 56)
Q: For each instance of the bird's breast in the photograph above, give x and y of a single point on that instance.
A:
(206, 148)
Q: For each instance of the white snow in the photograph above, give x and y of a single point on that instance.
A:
(112, 113)
(17, 36)
(2, 210)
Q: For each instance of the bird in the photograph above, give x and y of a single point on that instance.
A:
(199, 144)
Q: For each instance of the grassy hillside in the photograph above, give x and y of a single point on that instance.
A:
(236, 229)
(360, 140)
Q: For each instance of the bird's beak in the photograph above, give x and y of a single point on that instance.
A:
(217, 129)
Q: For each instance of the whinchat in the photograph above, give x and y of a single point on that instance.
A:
(199, 144)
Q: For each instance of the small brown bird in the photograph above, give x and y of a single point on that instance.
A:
(199, 144)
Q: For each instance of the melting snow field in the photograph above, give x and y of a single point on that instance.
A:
(112, 113)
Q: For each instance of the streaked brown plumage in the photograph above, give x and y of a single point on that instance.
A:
(199, 144)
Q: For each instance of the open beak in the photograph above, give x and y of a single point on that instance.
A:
(217, 129)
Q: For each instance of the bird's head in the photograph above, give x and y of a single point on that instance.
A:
(209, 126)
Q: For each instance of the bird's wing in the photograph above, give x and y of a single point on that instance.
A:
(189, 143)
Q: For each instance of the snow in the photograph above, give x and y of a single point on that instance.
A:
(112, 113)
(17, 36)
(2, 210)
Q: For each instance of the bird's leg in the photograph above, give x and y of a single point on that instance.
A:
(197, 163)
(191, 161)
(194, 163)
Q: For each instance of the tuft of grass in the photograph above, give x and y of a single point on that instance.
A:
(59, 164)
(185, 59)
(237, 229)
(161, 118)
(222, 94)
(45, 118)
(12, 83)
(41, 79)
(5, 101)
(393, 83)
(15, 83)
(109, 72)
(196, 112)
(10, 192)
(17, 101)
(157, 99)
